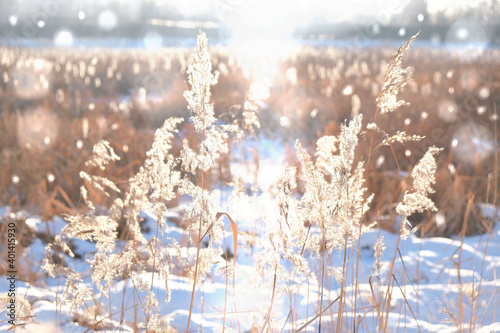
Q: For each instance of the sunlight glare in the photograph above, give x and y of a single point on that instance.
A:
(262, 56)
(13, 20)
(63, 38)
(261, 38)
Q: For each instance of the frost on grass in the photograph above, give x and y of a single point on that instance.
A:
(149, 189)
(214, 138)
(102, 155)
(328, 216)
(326, 146)
(424, 176)
(155, 183)
(201, 78)
(335, 206)
(400, 137)
(378, 252)
(394, 81)
(160, 179)
(197, 161)
(256, 94)
(22, 305)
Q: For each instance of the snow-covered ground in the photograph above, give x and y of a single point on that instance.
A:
(435, 277)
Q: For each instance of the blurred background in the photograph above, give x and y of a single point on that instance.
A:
(149, 23)
(75, 72)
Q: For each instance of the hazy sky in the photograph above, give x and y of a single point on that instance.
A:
(246, 19)
(257, 12)
(280, 17)
(336, 9)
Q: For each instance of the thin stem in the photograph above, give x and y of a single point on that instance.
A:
(383, 323)
(154, 267)
(356, 287)
(272, 301)
(371, 137)
(493, 213)
(318, 315)
(195, 274)
(342, 290)
(225, 292)
(322, 284)
(198, 243)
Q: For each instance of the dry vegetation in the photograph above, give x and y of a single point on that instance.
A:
(57, 104)
(371, 124)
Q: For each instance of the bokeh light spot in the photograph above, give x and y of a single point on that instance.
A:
(474, 143)
(50, 177)
(448, 110)
(63, 38)
(37, 128)
(469, 80)
(348, 90)
(314, 113)
(483, 93)
(13, 20)
(467, 32)
(107, 20)
(284, 121)
(481, 109)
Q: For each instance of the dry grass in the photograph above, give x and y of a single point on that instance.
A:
(359, 174)
(313, 88)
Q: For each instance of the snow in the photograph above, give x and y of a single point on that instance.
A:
(433, 274)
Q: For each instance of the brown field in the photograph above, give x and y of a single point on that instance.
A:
(56, 104)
